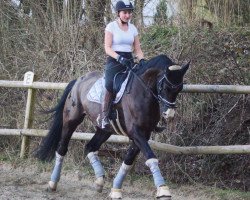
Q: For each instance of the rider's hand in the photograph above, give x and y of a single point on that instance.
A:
(124, 61)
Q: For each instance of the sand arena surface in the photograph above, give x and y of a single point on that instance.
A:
(30, 182)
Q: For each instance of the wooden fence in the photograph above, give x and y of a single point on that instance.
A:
(27, 130)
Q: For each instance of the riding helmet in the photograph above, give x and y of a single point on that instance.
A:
(123, 5)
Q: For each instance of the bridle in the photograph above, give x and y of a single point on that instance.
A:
(169, 85)
(160, 83)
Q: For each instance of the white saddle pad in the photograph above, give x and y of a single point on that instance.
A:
(96, 92)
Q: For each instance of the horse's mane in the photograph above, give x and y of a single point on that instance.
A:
(158, 62)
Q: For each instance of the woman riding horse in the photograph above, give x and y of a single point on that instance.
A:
(121, 37)
(155, 87)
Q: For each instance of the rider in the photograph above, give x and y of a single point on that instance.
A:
(121, 39)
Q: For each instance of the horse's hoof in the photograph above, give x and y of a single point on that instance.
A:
(98, 184)
(98, 188)
(52, 186)
(115, 194)
(163, 193)
(49, 189)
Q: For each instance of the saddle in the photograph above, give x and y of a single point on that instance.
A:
(120, 78)
(122, 83)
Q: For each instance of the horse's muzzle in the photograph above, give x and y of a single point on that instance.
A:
(168, 114)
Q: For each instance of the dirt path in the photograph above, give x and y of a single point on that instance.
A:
(24, 182)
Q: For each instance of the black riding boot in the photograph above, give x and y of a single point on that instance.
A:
(106, 108)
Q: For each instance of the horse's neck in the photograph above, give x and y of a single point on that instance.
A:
(150, 77)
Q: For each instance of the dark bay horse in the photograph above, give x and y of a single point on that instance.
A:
(153, 92)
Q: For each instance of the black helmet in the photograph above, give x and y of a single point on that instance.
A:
(123, 5)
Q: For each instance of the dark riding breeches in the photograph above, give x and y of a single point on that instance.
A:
(113, 67)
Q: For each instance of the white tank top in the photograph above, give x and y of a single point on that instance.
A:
(122, 40)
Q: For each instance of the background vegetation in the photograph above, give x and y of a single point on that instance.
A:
(60, 42)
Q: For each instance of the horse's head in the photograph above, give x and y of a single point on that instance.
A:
(168, 87)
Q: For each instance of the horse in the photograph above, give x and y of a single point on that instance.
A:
(151, 96)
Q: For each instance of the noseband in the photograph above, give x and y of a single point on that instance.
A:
(169, 85)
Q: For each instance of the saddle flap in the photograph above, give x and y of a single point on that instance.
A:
(118, 80)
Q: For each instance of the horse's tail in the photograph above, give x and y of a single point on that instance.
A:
(46, 151)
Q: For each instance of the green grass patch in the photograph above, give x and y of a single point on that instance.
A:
(226, 194)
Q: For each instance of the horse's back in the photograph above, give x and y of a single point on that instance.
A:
(90, 76)
(82, 87)
(85, 82)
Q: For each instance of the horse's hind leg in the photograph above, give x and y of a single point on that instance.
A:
(70, 123)
(91, 150)
(123, 171)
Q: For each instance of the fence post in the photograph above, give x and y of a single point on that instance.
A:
(28, 80)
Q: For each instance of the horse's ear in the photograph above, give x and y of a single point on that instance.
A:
(185, 68)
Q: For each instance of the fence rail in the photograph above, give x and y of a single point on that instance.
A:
(232, 149)
(233, 89)
(27, 132)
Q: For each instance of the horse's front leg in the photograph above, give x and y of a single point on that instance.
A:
(123, 171)
(152, 162)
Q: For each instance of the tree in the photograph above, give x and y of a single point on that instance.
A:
(161, 16)
(225, 12)
(138, 13)
(43, 11)
(94, 13)
(236, 12)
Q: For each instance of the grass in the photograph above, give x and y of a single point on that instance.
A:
(231, 194)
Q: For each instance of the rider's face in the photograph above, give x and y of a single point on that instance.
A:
(125, 15)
